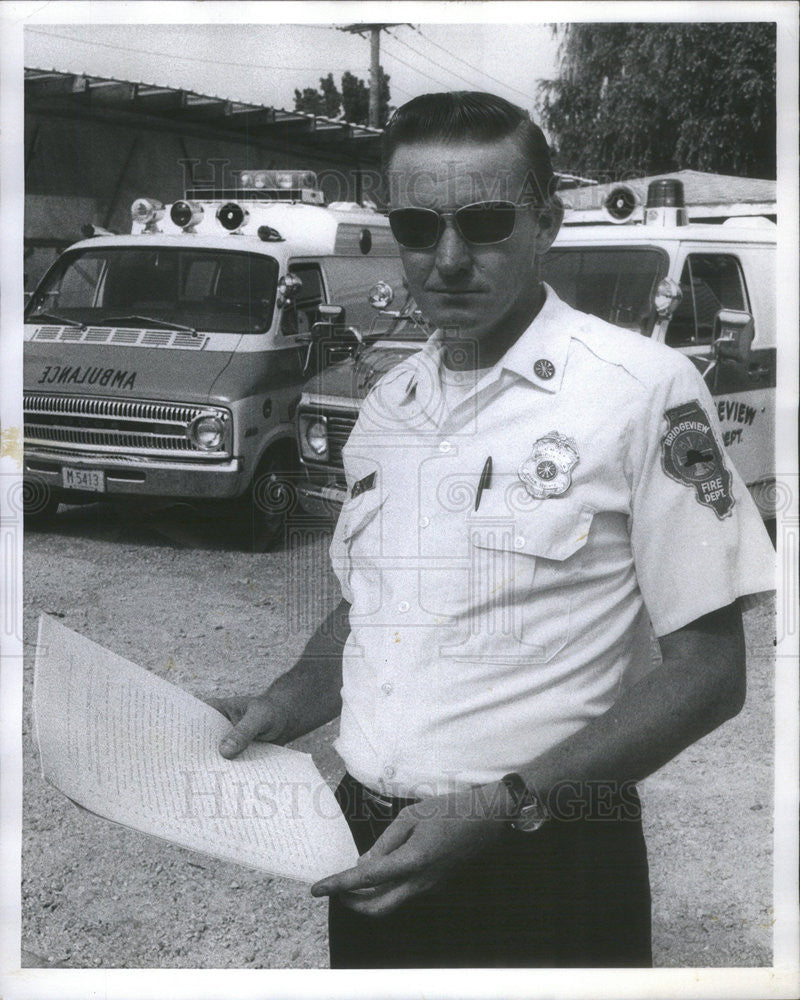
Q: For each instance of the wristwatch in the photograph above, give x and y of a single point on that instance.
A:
(529, 812)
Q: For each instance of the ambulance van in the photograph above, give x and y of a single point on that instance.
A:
(168, 363)
(707, 290)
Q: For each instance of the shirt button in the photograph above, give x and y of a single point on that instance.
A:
(444, 446)
(389, 771)
(424, 522)
(519, 541)
(387, 688)
(403, 606)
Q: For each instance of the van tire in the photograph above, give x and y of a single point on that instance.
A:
(261, 514)
(39, 503)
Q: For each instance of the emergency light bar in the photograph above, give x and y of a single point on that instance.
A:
(284, 180)
(305, 195)
(265, 185)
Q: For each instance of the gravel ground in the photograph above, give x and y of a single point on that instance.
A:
(163, 589)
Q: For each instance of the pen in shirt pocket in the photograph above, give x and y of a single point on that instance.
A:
(485, 482)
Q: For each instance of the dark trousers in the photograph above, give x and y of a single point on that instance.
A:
(574, 894)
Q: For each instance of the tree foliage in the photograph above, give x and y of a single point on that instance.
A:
(351, 102)
(638, 99)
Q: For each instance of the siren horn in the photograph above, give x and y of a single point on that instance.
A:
(619, 203)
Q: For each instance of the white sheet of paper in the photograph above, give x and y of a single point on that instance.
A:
(135, 749)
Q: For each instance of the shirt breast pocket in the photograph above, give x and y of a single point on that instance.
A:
(523, 576)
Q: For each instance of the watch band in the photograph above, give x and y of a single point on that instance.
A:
(529, 812)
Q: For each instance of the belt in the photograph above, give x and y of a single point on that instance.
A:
(384, 806)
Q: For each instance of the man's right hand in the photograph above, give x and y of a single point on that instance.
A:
(254, 718)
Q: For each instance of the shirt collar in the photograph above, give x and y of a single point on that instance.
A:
(539, 355)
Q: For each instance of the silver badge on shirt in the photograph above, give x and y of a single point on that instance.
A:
(547, 472)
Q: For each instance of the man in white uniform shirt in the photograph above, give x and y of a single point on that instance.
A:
(526, 497)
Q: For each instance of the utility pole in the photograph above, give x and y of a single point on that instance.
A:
(374, 74)
(374, 63)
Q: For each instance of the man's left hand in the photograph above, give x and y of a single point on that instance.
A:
(416, 851)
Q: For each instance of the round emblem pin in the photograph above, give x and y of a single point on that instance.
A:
(544, 369)
(547, 470)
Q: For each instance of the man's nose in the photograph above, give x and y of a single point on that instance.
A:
(452, 252)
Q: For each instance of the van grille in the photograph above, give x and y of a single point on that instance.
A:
(339, 427)
(76, 423)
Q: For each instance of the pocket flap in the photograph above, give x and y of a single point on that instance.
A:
(552, 531)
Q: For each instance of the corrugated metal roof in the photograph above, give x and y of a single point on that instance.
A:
(55, 91)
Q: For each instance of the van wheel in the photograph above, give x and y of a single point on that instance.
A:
(262, 511)
(39, 503)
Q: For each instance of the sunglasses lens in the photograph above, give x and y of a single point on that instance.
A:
(486, 222)
(415, 228)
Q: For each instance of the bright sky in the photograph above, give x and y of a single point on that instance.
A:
(264, 63)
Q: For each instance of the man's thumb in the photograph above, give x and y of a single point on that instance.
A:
(253, 723)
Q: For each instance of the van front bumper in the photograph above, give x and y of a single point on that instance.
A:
(127, 475)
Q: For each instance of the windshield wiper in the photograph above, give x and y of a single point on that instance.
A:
(156, 324)
(55, 318)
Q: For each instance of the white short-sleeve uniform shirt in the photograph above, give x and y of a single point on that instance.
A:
(487, 629)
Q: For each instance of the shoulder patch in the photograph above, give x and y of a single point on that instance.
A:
(690, 455)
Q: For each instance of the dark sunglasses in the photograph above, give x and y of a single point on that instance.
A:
(482, 223)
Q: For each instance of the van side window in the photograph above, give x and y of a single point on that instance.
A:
(302, 313)
(614, 284)
(709, 282)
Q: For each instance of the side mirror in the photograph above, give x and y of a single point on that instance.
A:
(381, 295)
(330, 339)
(667, 298)
(330, 323)
(331, 315)
(733, 335)
(288, 287)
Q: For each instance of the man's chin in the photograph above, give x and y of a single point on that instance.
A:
(457, 324)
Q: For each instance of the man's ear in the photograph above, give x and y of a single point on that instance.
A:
(548, 224)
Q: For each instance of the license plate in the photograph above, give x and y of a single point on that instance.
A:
(92, 480)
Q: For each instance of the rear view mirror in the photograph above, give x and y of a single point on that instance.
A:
(733, 335)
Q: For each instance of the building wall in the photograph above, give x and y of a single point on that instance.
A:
(84, 169)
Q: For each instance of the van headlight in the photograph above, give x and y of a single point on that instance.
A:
(314, 437)
(207, 432)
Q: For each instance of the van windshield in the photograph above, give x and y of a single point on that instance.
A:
(223, 291)
(615, 284)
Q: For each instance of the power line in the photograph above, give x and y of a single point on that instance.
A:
(173, 55)
(424, 56)
(197, 59)
(470, 66)
(416, 69)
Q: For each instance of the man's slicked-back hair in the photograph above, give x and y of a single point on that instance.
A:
(472, 116)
